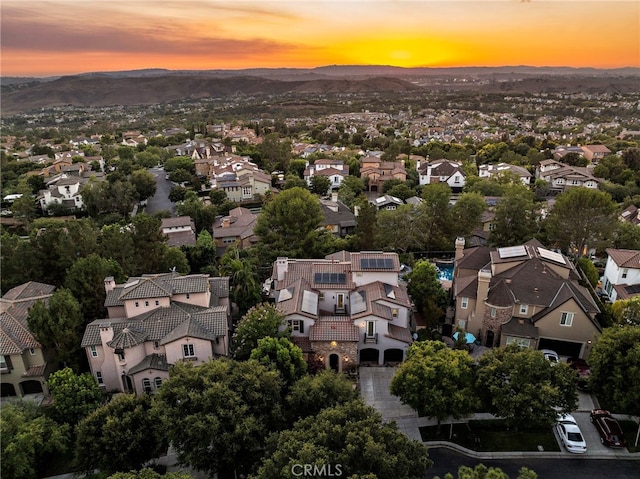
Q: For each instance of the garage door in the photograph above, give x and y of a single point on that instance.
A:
(563, 348)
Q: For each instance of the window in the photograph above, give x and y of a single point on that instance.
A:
(4, 365)
(566, 319)
(524, 308)
(625, 272)
(188, 295)
(321, 296)
(146, 385)
(158, 382)
(137, 304)
(156, 345)
(32, 351)
(94, 351)
(394, 312)
(371, 328)
(120, 354)
(157, 303)
(296, 325)
(522, 342)
(146, 303)
(494, 311)
(99, 377)
(462, 324)
(464, 303)
(456, 179)
(188, 350)
(492, 226)
(246, 191)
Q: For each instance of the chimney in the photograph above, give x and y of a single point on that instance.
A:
(418, 165)
(356, 210)
(226, 222)
(484, 278)
(109, 284)
(334, 197)
(459, 248)
(282, 266)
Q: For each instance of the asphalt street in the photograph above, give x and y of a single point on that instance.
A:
(160, 201)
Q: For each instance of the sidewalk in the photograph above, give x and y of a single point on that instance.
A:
(374, 387)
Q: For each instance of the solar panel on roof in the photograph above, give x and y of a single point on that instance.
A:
(551, 255)
(330, 278)
(512, 251)
(376, 263)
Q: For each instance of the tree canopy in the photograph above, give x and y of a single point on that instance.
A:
(120, 436)
(261, 321)
(74, 395)
(427, 292)
(521, 386)
(615, 369)
(351, 436)
(436, 381)
(219, 414)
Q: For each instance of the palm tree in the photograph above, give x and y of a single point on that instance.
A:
(242, 270)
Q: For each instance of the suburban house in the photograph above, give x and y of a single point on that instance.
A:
(375, 172)
(526, 294)
(442, 171)
(563, 150)
(386, 202)
(236, 227)
(333, 169)
(153, 322)
(180, 231)
(631, 214)
(24, 365)
(493, 171)
(65, 188)
(595, 153)
(338, 218)
(237, 176)
(562, 177)
(207, 151)
(621, 279)
(348, 308)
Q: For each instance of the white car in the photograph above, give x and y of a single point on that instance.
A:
(570, 434)
(551, 356)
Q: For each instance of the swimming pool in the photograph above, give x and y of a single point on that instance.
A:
(445, 271)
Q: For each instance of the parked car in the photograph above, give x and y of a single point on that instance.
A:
(608, 428)
(583, 369)
(551, 356)
(570, 434)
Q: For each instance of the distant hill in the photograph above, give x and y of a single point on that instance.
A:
(154, 86)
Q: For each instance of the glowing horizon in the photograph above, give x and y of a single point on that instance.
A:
(66, 37)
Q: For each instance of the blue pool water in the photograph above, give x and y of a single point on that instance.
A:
(445, 271)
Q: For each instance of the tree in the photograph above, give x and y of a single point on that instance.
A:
(149, 244)
(627, 311)
(581, 218)
(85, 280)
(589, 269)
(180, 176)
(180, 162)
(366, 226)
(178, 193)
(203, 215)
(275, 153)
(311, 394)
(173, 259)
(436, 381)
(116, 242)
(401, 191)
(627, 236)
(281, 355)
(121, 435)
(29, 441)
(350, 435)
(615, 373)
(261, 321)
(320, 185)
(515, 219)
(398, 230)
(74, 395)
(202, 255)
(483, 472)
(147, 473)
(427, 292)
(288, 225)
(294, 181)
(521, 386)
(465, 214)
(219, 414)
(144, 184)
(59, 325)
(242, 269)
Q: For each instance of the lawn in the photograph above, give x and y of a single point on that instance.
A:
(492, 435)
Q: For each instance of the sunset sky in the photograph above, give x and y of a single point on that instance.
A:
(75, 36)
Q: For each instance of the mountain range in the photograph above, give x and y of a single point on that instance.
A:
(154, 86)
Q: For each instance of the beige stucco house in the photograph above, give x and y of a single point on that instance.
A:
(153, 322)
(347, 308)
(524, 294)
(24, 364)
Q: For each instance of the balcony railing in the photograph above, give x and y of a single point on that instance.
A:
(371, 339)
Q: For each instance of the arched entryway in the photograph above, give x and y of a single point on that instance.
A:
(393, 355)
(7, 390)
(31, 387)
(334, 362)
(127, 385)
(490, 339)
(369, 355)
